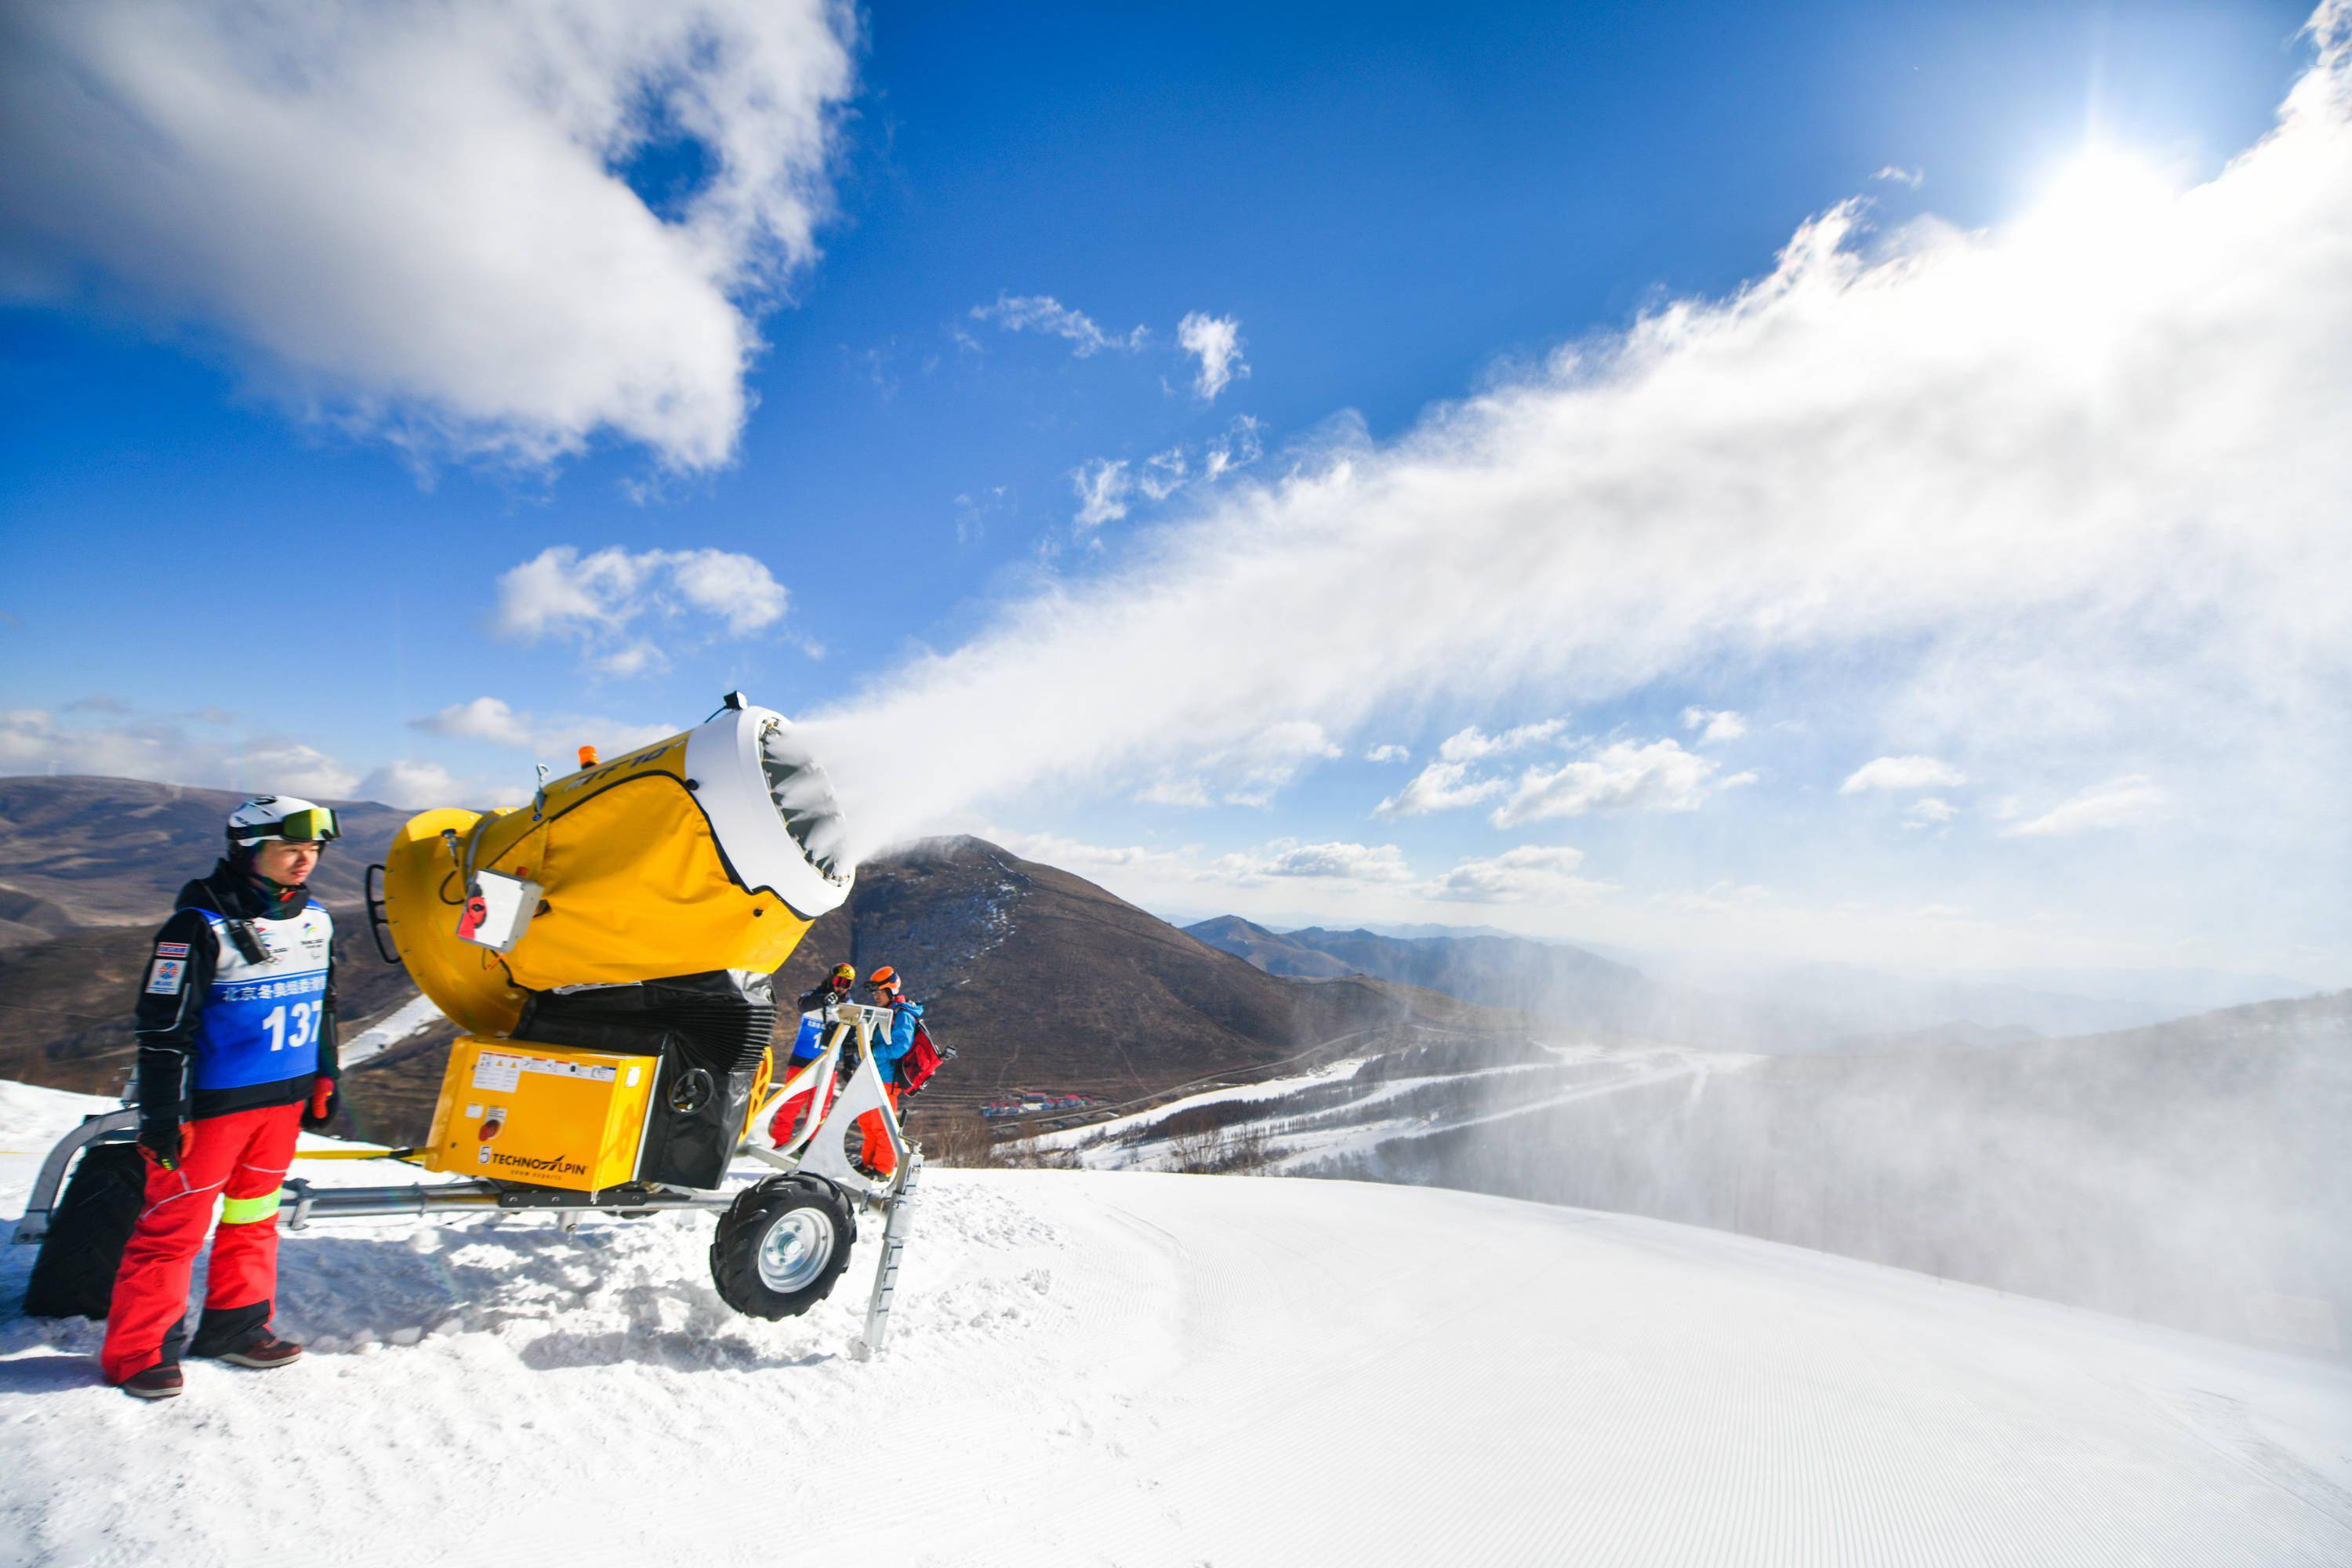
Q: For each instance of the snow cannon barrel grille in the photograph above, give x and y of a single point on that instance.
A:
(715, 849)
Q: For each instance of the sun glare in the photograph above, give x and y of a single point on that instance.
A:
(2103, 197)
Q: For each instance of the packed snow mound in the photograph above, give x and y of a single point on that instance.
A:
(1140, 1369)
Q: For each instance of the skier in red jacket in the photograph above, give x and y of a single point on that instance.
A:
(236, 1052)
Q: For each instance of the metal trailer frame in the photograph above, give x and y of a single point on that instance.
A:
(817, 1149)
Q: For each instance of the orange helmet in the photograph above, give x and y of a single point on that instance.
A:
(883, 979)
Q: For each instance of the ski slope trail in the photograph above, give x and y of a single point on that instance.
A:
(1136, 1368)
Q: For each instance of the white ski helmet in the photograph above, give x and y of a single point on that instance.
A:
(267, 816)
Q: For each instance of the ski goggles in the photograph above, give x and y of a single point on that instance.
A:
(312, 825)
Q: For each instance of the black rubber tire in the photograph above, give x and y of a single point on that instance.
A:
(735, 1249)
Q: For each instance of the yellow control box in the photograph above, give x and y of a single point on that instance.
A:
(540, 1115)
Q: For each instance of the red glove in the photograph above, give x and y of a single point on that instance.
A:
(322, 1108)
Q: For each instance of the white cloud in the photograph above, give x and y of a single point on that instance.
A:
(1914, 178)
(1044, 313)
(1448, 783)
(412, 786)
(1475, 744)
(1286, 857)
(294, 768)
(488, 719)
(1102, 488)
(1091, 861)
(1216, 342)
(972, 511)
(1531, 873)
(483, 718)
(1162, 472)
(32, 741)
(1250, 773)
(2046, 496)
(1622, 776)
(1722, 724)
(1188, 794)
(1273, 757)
(1243, 443)
(1439, 787)
(1902, 773)
(1928, 811)
(599, 600)
(2118, 802)
(411, 216)
(1277, 861)
(1106, 487)
(1389, 752)
(1267, 873)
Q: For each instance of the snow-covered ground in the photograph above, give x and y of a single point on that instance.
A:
(1130, 1368)
(1300, 1130)
(410, 1018)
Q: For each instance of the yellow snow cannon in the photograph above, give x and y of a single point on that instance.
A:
(715, 849)
(608, 951)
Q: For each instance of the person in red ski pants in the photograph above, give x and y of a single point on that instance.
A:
(806, 1046)
(237, 1055)
(874, 1151)
(238, 1162)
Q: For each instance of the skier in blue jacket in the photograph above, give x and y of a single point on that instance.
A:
(889, 1048)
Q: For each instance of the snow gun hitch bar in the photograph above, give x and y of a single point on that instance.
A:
(783, 1240)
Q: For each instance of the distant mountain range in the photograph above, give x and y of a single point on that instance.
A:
(1784, 1010)
(1046, 980)
(77, 852)
(1568, 986)
(1040, 979)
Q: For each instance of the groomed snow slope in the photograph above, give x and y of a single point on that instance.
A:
(1145, 1369)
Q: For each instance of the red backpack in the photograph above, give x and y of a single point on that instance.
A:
(921, 1060)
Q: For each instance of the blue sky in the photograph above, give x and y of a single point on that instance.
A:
(283, 421)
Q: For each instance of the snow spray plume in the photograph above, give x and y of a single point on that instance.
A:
(2192, 1172)
(2047, 476)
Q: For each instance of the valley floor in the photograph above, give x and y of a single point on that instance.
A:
(1134, 1368)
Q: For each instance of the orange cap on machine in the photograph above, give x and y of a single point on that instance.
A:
(587, 757)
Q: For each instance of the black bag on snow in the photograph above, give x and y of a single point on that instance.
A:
(74, 1275)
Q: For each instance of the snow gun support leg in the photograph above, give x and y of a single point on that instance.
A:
(896, 1231)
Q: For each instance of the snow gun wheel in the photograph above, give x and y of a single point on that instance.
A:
(781, 1246)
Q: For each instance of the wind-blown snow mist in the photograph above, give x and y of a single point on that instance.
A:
(2066, 491)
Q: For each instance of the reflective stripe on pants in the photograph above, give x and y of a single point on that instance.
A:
(252, 1210)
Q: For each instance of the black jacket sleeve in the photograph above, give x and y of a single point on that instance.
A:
(171, 1006)
(330, 1065)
